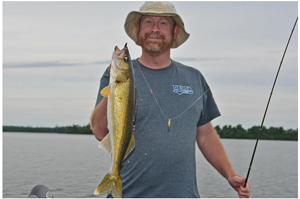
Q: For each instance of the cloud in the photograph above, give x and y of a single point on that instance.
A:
(51, 64)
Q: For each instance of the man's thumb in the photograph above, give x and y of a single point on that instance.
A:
(240, 179)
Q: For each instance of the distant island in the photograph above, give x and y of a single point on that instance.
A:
(227, 131)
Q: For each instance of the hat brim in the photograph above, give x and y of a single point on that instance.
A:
(133, 18)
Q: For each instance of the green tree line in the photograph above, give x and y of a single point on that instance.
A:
(35, 129)
(272, 133)
(75, 129)
(227, 131)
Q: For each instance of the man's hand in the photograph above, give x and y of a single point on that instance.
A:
(237, 182)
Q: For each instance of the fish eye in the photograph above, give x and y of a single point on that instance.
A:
(126, 58)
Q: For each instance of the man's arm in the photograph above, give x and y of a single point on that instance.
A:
(210, 145)
(99, 120)
(99, 117)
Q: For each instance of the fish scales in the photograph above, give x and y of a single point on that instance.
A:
(121, 108)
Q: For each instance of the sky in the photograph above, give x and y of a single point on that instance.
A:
(54, 54)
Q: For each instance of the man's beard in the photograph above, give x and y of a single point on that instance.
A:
(160, 47)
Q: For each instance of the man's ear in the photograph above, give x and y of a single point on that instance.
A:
(176, 30)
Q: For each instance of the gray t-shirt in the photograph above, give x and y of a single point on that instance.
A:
(163, 161)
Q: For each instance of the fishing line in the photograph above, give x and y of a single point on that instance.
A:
(169, 119)
(230, 68)
(262, 123)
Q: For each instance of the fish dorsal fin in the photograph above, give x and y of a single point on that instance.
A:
(130, 146)
(105, 143)
(120, 78)
(105, 92)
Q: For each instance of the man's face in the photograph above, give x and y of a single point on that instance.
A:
(156, 34)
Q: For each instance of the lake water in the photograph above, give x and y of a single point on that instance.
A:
(72, 166)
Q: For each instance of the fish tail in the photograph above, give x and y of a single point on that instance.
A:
(110, 184)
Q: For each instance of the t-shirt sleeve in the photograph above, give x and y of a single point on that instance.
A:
(210, 109)
(103, 83)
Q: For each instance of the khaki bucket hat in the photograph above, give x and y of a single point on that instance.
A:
(155, 8)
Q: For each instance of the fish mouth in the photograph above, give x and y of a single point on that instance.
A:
(120, 56)
(118, 51)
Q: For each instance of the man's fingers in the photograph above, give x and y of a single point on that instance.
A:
(245, 192)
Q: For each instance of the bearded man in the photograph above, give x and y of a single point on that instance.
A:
(163, 162)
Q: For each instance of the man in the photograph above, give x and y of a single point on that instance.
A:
(175, 109)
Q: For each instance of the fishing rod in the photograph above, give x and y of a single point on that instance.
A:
(263, 120)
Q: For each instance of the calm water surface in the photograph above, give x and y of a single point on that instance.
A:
(72, 166)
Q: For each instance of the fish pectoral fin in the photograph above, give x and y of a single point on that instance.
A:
(105, 143)
(120, 78)
(131, 145)
(105, 92)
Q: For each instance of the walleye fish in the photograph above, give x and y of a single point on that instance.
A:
(121, 107)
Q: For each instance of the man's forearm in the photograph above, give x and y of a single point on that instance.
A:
(210, 145)
(99, 120)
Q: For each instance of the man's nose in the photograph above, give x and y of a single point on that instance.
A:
(155, 27)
